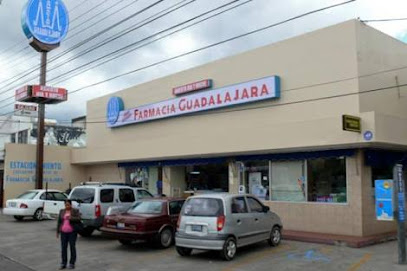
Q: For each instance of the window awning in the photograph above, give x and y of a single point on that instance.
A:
(221, 160)
(298, 155)
(379, 158)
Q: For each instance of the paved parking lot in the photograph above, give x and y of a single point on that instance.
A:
(30, 245)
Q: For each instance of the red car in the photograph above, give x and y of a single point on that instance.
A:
(149, 219)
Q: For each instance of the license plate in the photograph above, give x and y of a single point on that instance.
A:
(12, 204)
(196, 228)
(121, 225)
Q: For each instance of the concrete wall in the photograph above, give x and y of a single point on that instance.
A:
(105, 173)
(19, 176)
(312, 67)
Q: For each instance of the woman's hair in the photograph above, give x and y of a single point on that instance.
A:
(68, 201)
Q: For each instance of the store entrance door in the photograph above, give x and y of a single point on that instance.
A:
(211, 177)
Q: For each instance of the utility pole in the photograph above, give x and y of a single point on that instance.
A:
(40, 127)
(400, 212)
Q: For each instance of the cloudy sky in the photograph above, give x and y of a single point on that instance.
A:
(77, 64)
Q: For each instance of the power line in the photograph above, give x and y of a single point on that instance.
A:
(16, 58)
(211, 45)
(205, 47)
(223, 111)
(122, 51)
(82, 43)
(384, 20)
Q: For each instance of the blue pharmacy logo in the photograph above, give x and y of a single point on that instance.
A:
(368, 135)
(114, 106)
(45, 20)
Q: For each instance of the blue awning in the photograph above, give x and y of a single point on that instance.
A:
(221, 160)
(379, 158)
(298, 155)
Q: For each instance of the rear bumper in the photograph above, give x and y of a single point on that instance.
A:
(126, 234)
(198, 242)
(18, 212)
(94, 223)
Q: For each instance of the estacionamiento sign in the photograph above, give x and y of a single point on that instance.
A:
(247, 92)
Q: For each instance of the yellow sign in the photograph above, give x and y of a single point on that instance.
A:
(351, 123)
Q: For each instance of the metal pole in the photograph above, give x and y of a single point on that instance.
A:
(40, 128)
(400, 212)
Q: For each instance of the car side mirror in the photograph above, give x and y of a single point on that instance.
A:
(266, 209)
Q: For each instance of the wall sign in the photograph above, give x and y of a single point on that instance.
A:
(351, 123)
(25, 110)
(368, 135)
(203, 84)
(24, 172)
(45, 20)
(252, 91)
(384, 200)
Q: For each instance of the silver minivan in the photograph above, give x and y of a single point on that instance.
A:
(94, 199)
(225, 222)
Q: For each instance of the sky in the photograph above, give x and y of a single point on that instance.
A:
(68, 65)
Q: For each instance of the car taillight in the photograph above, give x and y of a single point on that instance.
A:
(178, 222)
(23, 205)
(98, 211)
(220, 222)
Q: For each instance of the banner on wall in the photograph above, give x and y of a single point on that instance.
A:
(24, 172)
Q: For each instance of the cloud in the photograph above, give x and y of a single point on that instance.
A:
(251, 16)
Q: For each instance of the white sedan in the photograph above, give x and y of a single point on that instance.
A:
(31, 203)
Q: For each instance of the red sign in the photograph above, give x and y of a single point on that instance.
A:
(49, 93)
(22, 93)
(192, 87)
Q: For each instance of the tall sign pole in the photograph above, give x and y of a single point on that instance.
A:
(45, 23)
(400, 212)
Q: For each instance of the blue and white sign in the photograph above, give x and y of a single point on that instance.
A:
(114, 107)
(368, 135)
(45, 20)
(233, 95)
(384, 200)
(402, 209)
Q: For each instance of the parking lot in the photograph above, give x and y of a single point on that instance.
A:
(30, 245)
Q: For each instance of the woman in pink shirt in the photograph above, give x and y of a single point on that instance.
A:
(68, 220)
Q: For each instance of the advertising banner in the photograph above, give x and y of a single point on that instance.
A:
(384, 200)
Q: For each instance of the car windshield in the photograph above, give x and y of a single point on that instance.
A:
(83, 195)
(28, 195)
(203, 207)
(146, 207)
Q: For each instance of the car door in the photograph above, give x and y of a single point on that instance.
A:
(241, 224)
(107, 199)
(174, 208)
(259, 219)
(126, 199)
(55, 203)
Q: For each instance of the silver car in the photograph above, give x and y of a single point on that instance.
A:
(225, 222)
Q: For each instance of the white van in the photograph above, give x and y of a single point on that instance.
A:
(93, 199)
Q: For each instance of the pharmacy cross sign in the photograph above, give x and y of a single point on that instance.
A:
(45, 20)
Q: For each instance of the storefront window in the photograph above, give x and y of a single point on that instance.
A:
(313, 180)
(327, 180)
(287, 181)
(256, 176)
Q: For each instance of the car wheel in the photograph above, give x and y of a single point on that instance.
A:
(166, 238)
(229, 249)
(275, 236)
(86, 232)
(184, 251)
(38, 215)
(125, 242)
(18, 218)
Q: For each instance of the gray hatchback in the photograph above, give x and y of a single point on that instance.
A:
(225, 222)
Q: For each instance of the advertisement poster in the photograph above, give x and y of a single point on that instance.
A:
(384, 200)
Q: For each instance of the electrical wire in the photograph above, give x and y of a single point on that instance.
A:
(205, 47)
